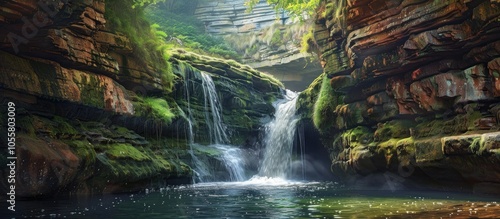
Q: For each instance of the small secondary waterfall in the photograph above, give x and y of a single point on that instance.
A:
(230, 156)
(280, 133)
(216, 128)
(200, 169)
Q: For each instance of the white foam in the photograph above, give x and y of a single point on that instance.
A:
(256, 182)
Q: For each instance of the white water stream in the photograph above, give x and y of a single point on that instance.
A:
(280, 134)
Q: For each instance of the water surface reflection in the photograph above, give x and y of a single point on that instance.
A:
(267, 198)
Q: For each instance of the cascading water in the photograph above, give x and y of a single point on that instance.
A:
(278, 140)
(216, 128)
(201, 171)
(280, 133)
(230, 156)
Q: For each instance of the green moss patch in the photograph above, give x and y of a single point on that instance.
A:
(153, 107)
(360, 135)
(160, 108)
(232, 68)
(125, 151)
(394, 129)
(308, 97)
(324, 108)
(92, 92)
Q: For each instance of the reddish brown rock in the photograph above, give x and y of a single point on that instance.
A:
(433, 64)
(81, 41)
(46, 166)
(48, 79)
(494, 71)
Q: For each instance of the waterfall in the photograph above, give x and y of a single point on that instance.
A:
(280, 133)
(199, 168)
(216, 128)
(230, 156)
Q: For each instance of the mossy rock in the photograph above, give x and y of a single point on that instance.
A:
(394, 129)
(155, 108)
(125, 151)
(25, 124)
(342, 82)
(428, 150)
(307, 98)
(234, 69)
(350, 115)
(91, 91)
(360, 135)
(146, 164)
(87, 155)
(205, 150)
(324, 107)
(56, 127)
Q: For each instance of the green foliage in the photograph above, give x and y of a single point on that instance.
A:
(306, 40)
(148, 41)
(155, 108)
(187, 32)
(160, 108)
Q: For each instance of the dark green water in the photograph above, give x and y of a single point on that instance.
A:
(267, 199)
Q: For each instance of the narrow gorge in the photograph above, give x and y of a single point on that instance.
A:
(258, 108)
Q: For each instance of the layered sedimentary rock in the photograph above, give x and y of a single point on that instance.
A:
(71, 78)
(410, 88)
(269, 41)
(93, 113)
(228, 16)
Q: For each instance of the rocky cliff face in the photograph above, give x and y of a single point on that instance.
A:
(269, 41)
(94, 112)
(410, 89)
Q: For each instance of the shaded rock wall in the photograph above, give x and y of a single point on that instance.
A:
(94, 114)
(409, 87)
